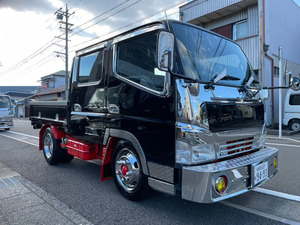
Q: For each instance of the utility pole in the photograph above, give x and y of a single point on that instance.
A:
(280, 90)
(60, 15)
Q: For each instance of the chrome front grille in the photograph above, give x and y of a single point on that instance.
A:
(236, 147)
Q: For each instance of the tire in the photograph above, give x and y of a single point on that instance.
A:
(133, 186)
(66, 157)
(7, 128)
(295, 125)
(52, 150)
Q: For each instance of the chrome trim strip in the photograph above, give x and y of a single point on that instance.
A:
(89, 83)
(88, 114)
(161, 186)
(138, 32)
(164, 173)
(132, 139)
(224, 155)
(238, 143)
(49, 103)
(91, 48)
(47, 119)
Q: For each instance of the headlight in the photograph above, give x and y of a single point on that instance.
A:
(190, 149)
(6, 119)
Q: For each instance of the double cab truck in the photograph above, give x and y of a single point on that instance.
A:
(6, 113)
(167, 105)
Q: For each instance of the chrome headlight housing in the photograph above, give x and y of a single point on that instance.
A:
(190, 149)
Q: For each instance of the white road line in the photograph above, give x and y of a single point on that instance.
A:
(13, 132)
(278, 194)
(259, 213)
(294, 146)
(26, 142)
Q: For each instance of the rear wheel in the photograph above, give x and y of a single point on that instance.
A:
(66, 157)
(51, 148)
(295, 125)
(127, 172)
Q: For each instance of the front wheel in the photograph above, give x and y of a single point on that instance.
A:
(127, 172)
(295, 125)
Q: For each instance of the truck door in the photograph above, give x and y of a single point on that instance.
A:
(87, 101)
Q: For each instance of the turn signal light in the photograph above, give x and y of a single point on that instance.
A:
(221, 184)
(275, 163)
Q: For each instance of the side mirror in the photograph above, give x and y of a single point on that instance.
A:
(165, 51)
(264, 94)
(295, 84)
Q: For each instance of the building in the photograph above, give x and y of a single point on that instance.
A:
(52, 87)
(53, 80)
(55, 94)
(259, 27)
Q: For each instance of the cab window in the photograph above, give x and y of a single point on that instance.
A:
(136, 61)
(90, 67)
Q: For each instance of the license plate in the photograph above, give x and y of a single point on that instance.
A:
(260, 172)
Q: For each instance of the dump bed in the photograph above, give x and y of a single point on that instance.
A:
(54, 112)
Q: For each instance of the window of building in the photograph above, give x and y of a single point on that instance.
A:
(136, 62)
(90, 67)
(276, 71)
(226, 31)
(240, 30)
(295, 100)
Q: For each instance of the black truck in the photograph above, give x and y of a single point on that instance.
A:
(167, 105)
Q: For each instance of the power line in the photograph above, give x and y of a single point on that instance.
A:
(34, 54)
(101, 14)
(121, 10)
(131, 24)
(30, 67)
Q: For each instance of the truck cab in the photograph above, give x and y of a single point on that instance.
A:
(6, 113)
(167, 105)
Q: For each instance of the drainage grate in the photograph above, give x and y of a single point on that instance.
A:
(9, 182)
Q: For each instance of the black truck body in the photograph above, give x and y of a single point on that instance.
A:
(157, 113)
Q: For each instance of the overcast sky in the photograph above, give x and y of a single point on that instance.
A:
(28, 28)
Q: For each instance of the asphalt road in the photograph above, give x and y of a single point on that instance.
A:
(77, 184)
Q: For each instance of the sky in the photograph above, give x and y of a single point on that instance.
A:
(28, 28)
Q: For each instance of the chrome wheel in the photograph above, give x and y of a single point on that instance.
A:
(127, 169)
(48, 145)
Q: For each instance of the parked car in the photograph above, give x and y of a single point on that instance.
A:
(291, 116)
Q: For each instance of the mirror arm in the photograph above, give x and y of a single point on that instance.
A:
(275, 88)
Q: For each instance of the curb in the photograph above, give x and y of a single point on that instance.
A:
(283, 140)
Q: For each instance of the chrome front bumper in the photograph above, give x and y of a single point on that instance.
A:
(6, 125)
(198, 182)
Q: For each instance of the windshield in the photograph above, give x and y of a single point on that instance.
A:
(210, 58)
(4, 102)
